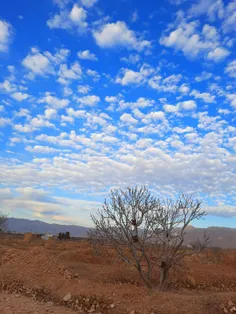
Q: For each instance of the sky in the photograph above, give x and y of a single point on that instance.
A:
(98, 94)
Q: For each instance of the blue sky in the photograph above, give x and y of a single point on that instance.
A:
(99, 94)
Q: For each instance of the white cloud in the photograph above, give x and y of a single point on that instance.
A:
(193, 43)
(94, 74)
(118, 34)
(39, 122)
(84, 89)
(41, 149)
(168, 84)
(43, 63)
(50, 113)
(206, 97)
(90, 100)
(87, 55)
(127, 118)
(133, 58)
(203, 76)
(144, 143)
(4, 121)
(88, 3)
(79, 15)
(76, 113)
(184, 105)
(184, 89)
(141, 102)
(54, 102)
(224, 111)
(91, 142)
(231, 69)
(111, 99)
(232, 99)
(187, 105)
(19, 96)
(215, 9)
(66, 74)
(130, 77)
(61, 3)
(212, 8)
(69, 20)
(218, 54)
(38, 64)
(183, 130)
(6, 33)
(230, 17)
(155, 115)
(7, 86)
(33, 124)
(170, 108)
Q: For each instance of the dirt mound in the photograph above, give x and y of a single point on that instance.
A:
(35, 267)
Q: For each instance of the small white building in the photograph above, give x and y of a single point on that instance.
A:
(46, 236)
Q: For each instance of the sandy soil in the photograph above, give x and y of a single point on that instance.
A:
(65, 277)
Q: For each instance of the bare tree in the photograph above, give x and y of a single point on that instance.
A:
(3, 221)
(147, 232)
(173, 217)
(126, 222)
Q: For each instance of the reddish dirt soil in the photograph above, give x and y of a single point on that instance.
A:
(36, 276)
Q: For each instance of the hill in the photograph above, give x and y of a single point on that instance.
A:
(37, 226)
(220, 236)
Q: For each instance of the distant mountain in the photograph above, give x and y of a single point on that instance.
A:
(219, 236)
(37, 226)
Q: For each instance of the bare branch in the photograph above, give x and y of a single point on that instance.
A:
(145, 231)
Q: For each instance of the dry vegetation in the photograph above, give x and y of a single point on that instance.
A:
(147, 232)
(48, 270)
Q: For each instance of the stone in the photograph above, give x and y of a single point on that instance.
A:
(112, 306)
(67, 297)
(191, 281)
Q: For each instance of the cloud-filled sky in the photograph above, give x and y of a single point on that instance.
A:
(98, 94)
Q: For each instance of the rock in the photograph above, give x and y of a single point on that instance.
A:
(67, 297)
(233, 309)
(132, 312)
(112, 306)
(191, 281)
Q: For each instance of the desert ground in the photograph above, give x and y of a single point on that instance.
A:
(55, 276)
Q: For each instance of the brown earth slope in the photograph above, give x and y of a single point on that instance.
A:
(50, 271)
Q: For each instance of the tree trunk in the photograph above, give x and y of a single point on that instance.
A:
(144, 277)
(164, 273)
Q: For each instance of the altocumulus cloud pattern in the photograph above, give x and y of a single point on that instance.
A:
(99, 94)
